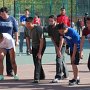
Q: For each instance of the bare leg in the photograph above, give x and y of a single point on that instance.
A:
(28, 43)
(13, 62)
(75, 71)
(2, 54)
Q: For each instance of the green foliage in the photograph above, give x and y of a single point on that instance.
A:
(42, 7)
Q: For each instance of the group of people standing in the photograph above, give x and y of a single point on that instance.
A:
(8, 28)
(24, 34)
(62, 36)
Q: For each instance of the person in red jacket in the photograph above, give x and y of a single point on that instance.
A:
(37, 20)
(62, 18)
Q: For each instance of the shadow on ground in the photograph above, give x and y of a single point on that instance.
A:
(43, 85)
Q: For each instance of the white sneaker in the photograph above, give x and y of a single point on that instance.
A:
(20, 53)
(1, 77)
(16, 77)
(56, 80)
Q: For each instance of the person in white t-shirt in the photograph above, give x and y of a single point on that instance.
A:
(7, 43)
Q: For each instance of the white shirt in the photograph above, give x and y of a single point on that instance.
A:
(8, 42)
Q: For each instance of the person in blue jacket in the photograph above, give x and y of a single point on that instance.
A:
(72, 39)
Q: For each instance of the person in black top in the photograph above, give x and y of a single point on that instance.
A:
(38, 48)
(60, 62)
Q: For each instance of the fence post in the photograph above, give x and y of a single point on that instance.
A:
(3, 3)
(50, 7)
(14, 7)
(32, 8)
(71, 12)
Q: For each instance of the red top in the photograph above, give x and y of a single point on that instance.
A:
(85, 32)
(63, 19)
(37, 21)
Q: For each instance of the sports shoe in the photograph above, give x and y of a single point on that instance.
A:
(20, 53)
(10, 74)
(16, 77)
(1, 77)
(35, 81)
(78, 81)
(28, 53)
(56, 80)
(74, 82)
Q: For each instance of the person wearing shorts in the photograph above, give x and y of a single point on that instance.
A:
(7, 44)
(8, 24)
(72, 39)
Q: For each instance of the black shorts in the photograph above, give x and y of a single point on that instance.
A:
(77, 59)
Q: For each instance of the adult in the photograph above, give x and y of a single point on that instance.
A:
(24, 33)
(38, 48)
(85, 33)
(73, 41)
(61, 69)
(7, 44)
(37, 20)
(9, 25)
(63, 18)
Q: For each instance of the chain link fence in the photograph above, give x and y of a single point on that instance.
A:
(74, 8)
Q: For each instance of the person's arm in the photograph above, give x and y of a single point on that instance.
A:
(16, 38)
(40, 48)
(81, 46)
(22, 22)
(41, 44)
(61, 42)
(15, 30)
(58, 49)
(54, 43)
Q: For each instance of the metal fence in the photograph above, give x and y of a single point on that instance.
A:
(44, 9)
(74, 8)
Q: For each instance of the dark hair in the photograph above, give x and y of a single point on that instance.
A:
(86, 13)
(88, 18)
(62, 8)
(4, 9)
(61, 26)
(52, 16)
(26, 9)
(29, 19)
